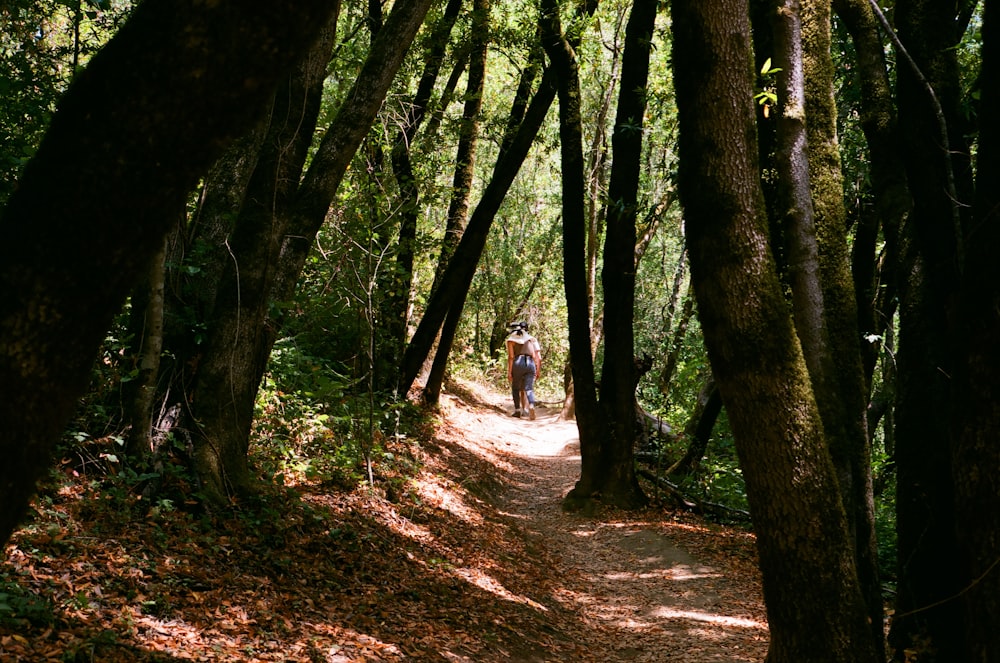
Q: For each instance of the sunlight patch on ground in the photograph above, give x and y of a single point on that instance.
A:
(514, 516)
(369, 646)
(685, 572)
(623, 615)
(404, 526)
(573, 596)
(722, 620)
(482, 428)
(180, 638)
(487, 583)
(444, 497)
(681, 572)
(441, 496)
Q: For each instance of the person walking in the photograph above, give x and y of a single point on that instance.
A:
(524, 365)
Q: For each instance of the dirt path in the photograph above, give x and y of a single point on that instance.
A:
(628, 577)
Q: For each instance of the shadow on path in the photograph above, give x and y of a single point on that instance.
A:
(643, 596)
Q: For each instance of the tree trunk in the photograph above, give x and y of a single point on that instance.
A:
(795, 205)
(619, 379)
(197, 254)
(468, 137)
(568, 411)
(239, 341)
(589, 421)
(596, 174)
(458, 209)
(928, 94)
(457, 279)
(892, 198)
(698, 430)
(458, 275)
(150, 117)
(395, 311)
(845, 401)
(816, 611)
(666, 376)
(138, 445)
(928, 573)
(287, 230)
(429, 137)
(975, 452)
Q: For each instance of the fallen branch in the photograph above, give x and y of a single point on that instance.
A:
(655, 424)
(692, 504)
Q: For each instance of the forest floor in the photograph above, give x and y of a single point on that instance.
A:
(472, 559)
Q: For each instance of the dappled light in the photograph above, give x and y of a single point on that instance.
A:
(631, 579)
(485, 582)
(711, 618)
(433, 492)
(472, 560)
(680, 573)
(470, 331)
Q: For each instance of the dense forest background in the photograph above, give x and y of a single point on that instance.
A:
(754, 238)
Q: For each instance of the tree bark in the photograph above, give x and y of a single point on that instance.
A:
(138, 444)
(395, 311)
(150, 114)
(590, 423)
(429, 136)
(468, 136)
(596, 173)
(197, 254)
(461, 268)
(239, 338)
(795, 202)
(458, 208)
(698, 430)
(277, 240)
(975, 452)
(928, 102)
(875, 289)
(845, 399)
(619, 379)
(816, 611)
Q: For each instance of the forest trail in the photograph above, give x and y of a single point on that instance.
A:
(459, 553)
(642, 596)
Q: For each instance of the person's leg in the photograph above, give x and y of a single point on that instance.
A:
(529, 387)
(517, 384)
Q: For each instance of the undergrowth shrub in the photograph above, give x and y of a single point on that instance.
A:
(19, 606)
(313, 423)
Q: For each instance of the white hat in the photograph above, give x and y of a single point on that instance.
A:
(519, 336)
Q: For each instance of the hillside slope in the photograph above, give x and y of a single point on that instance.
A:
(473, 561)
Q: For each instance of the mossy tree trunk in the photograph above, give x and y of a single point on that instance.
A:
(816, 610)
(845, 399)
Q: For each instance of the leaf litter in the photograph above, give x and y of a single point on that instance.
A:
(471, 560)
